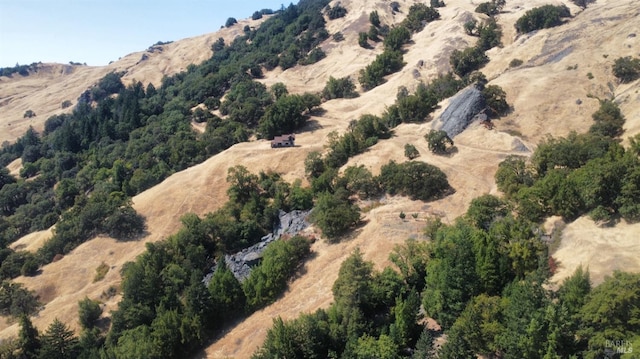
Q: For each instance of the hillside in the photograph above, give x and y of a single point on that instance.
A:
(543, 92)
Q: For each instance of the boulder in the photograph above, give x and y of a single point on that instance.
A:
(240, 263)
(462, 110)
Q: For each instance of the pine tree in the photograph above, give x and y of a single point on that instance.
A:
(59, 342)
(29, 340)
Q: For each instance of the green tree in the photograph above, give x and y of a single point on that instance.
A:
(418, 180)
(28, 338)
(476, 329)
(58, 342)
(513, 174)
(227, 294)
(362, 40)
(230, 22)
(280, 261)
(411, 258)
(397, 37)
(627, 69)
(419, 15)
(89, 312)
(313, 165)
(496, 100)
(374, 18)
(135, 343)
(438, 141)
(468, 60)
(424, 346)
(582, 3)
(361, 182)
(382, 348)
(491, 8)
(334, 215)
(541, 18)
(484, 210)
(353, 286)
(278, 90)
(336, 12)
(451, 279)
(339, 88)
(611, 311)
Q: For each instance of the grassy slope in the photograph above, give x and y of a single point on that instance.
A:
(542, 91)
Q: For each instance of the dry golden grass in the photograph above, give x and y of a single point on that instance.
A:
(542, 91)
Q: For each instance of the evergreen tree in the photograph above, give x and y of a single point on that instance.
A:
(58, 342)
(28, 338)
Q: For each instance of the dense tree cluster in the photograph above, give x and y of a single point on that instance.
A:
(541, 18)
(582, 173)
(391, 59)
(22, 70)
(123, 144)
(482, 279)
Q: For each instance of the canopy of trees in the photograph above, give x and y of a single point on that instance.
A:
(541, 18)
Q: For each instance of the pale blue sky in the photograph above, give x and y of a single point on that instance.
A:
(99, 31)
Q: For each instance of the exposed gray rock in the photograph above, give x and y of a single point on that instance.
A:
(241, 262)
(517, 145)
(462, 109)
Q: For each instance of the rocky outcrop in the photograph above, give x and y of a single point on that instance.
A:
(240, 263)
(462, 110)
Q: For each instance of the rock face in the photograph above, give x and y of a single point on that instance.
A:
(462, 110)
(241, 262)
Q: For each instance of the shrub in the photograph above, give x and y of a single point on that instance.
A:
(66, 103)
(395, 6)
(410, 151)
(256, 15)
(101, 272)
(29, 114)
(541, 18)
(437, 3)
(470, 26)
(627, 69)
(338, 36)
(515, 63)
